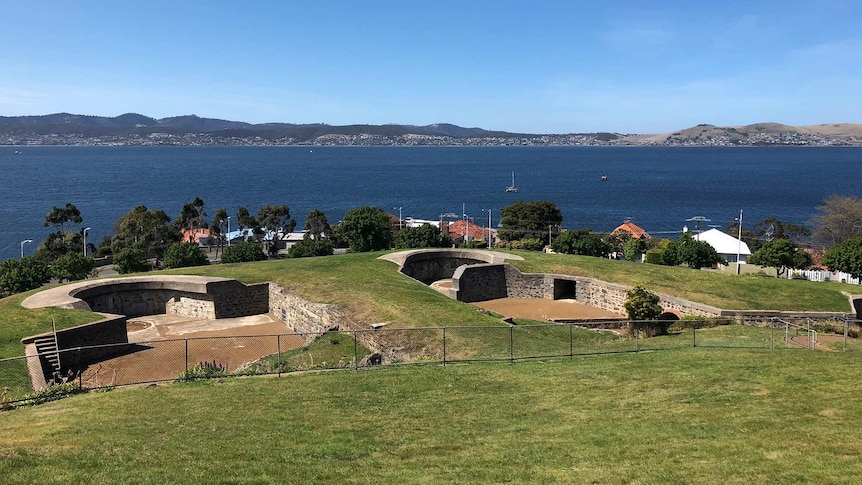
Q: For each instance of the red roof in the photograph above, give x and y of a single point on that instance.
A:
(636, 231)
(459, 229)
(195, 235)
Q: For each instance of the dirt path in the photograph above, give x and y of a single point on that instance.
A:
(543, 309)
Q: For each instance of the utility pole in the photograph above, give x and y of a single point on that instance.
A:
(739, 243)
(697, 220)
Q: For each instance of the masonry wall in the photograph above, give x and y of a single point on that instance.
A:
(480, 282)
(301, 315)
(428, 268)
(243, 301)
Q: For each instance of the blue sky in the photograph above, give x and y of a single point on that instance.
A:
(534, 67)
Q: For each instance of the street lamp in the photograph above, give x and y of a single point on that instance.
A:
(739, 242)
(489, 226)
(399, 217)
(85, 240)
(228, 231)
(22, 246)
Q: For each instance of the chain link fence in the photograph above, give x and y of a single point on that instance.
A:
(217, 357)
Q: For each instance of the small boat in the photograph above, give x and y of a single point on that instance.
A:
(604, 177)
(512, 187)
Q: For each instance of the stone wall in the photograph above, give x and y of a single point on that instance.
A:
(480, 282)
(131, 302)
(303, 316)
(191, 305)
(111, 330)
(429, 267)
(240, 300)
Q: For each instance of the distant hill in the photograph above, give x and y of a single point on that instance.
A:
(132, 123)
(755, 134)
(133, 128)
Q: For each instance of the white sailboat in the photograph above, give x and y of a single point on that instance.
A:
(512, 187)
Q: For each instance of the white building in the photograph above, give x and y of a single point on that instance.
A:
(725, 245)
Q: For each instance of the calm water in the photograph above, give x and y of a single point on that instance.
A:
(659, 188)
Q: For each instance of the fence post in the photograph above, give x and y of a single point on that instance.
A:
(571, 343)
(444, 346)
(79, 370)
(278, 358)
(694, 334)
(187, 357)
(355, 350)
(635, 329)
(512, 344)
(772, 334)
(845, 334)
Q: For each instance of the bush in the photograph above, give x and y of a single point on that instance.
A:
(183, 255)
(242, 252)
(527, 244)
(654, 256)
(131, 260)
(204, 370)
(18, 275)
(72, 267)
(308, 248)
(642, 304)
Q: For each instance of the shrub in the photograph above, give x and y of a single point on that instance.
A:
(654, 256)
(17, 275)
(131, 260)
(242, 252)
(204, 370)
(642, 304)
(183, 255)
(308, 248)
(72, 267)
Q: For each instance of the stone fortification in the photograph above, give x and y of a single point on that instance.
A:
(303, 316)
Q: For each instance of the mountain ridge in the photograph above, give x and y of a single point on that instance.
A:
(74, 127)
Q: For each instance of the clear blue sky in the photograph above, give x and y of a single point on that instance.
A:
(530, 66)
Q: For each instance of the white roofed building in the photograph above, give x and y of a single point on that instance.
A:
(725, 245)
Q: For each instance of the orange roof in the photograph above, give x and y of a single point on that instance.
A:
(459, 229)
(195, 235)
(636, 231)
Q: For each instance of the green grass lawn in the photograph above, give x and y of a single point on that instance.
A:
(688, 415)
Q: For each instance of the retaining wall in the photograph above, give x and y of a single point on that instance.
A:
(301, 315)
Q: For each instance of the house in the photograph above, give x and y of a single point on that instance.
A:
(630, 227)
(200, 236)
(725, 245)
(468, 231)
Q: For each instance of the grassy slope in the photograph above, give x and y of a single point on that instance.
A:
(372, 291)
(708, 416)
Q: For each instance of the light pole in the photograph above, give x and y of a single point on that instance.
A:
(739, 243)
(85, 240)
(228, 231)
(697, 220)
(489, 226)
(399, 218)
(22, 246)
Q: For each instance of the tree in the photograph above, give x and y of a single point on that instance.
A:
(131, 260)
(366, 229)
(317, 226)
(845, 256)
(191, 217)
(248, 224)
(540, 219)
(60, 217)
(838, 219)
(217, 228)
(18, 275)
(242, 252)
(72, 267)
(582, 242)
(308, 248)
(634, 248)
(63, 240)
(185, 254)
(147, 230)
(57, 244)
(781, 254)
(771, 228)
(275, 220)
(698, 254)
(424, 236)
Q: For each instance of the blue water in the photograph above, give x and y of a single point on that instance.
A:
(659, 188)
